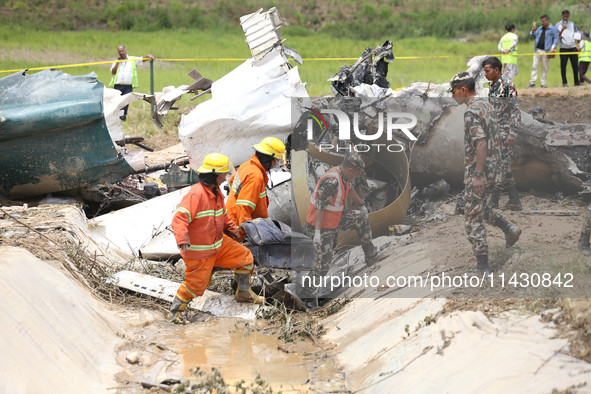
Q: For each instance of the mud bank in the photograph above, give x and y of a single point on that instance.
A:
(58, 337)
(55, 338)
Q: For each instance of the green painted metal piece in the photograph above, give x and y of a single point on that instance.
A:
(176, 178)
(53, 134)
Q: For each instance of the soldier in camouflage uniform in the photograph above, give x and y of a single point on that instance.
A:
(585, 232)
(326, 216)
(482, 157)
(506, 105)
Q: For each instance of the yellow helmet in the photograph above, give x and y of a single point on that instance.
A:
(271, 146)
(215, 162)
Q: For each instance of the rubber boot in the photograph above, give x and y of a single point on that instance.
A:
(178, 305)
(372, 254)
(244, 293)
(512, 232)
(514, 204)
(494, 199)
(371, 260)
(460, 204)
(584, 244)
(481, 266)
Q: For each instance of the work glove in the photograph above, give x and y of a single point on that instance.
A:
(232, 234)
(364, 210)
(184, 247)
(317, 239)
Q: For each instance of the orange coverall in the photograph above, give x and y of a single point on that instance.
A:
(248, 194)
(200, 221)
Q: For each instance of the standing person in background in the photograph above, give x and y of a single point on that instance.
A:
(125, 74)
(566, 32)
(508, 47)
(546, 41)
(584, 57)
(509, 115)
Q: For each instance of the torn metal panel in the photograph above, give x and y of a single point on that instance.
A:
(171, 95)
(261, 30)
(217, 304)
(548, 156)
(58, 133)
(371, 68)
(250, 102)
(128, 230)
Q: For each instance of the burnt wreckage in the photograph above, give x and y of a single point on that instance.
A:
(548, 155)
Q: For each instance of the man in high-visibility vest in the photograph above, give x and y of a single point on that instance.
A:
(125, 74)
(199, 226)
(248, 187)
(508, 46)
(584, 57)
(509, 115)
(327, 216)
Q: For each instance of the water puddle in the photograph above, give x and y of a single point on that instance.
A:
(233, 346)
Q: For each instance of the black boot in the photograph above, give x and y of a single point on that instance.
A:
(584, 242)
(514, 203)
(481, 266)
(460, 205)
(372, 254)
(512, 232)
(494, 199)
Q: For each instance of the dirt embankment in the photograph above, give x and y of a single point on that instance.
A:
(561, 104)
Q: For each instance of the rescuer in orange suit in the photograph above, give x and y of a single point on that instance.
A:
(248, 187)
(199, 224)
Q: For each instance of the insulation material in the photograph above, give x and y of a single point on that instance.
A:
(217, 304)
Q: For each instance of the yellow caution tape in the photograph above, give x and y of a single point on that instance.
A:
(306, 59)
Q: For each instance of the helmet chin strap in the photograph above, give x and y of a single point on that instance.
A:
(265, 160)
(209, 178)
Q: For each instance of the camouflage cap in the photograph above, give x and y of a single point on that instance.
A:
(354, 161)
(459, 77)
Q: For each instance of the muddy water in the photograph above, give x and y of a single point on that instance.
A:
(240, 352)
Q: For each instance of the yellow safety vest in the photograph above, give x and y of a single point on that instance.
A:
(134, 81)
(585, 55)
(506, 43)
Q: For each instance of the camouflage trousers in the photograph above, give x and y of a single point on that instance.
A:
(476, 212)
(505, 178)
(351, 220)
(586, 227)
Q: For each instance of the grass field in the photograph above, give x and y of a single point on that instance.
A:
(23, 48)
(29, 49)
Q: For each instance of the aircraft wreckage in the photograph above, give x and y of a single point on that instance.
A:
(60, 132)
(548, 156)
(265, 96)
